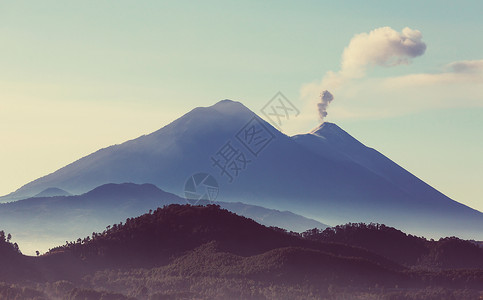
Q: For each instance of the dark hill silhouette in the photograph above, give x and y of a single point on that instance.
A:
(154, 238)
(194, 252)
(13, 265)
(447, 253)
(378, 238)
(283, 265)
(61, 218)
(7, 249)
(454, 253)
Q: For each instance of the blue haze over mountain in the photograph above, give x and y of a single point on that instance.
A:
(41, 223)
(326, 174)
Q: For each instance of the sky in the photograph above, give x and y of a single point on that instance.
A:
(407, 77)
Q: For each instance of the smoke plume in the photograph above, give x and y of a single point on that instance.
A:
(381, 47)
(325, 98)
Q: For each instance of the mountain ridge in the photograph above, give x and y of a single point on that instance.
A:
(314, 175)
(208, 252)
(59, 218)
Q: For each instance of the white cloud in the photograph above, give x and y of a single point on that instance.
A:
(458, 84)
(381, 47)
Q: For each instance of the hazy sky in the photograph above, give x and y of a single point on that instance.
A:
(78, 76)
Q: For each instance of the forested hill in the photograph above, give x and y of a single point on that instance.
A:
(199, 252)
(13, 265)
(153, 238)
(406, 249)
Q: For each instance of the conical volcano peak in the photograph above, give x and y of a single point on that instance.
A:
(329, 173)
(332, 132)
(225, 102)
(225, 113)
(230, 106)
(224, 107)
(327, 128)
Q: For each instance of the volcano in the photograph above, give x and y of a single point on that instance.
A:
(326, 174)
